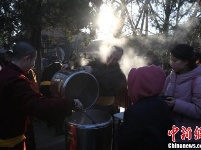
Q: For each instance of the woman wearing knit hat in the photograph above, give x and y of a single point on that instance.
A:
(148, 119)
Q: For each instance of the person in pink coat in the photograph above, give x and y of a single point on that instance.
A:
(183, 88)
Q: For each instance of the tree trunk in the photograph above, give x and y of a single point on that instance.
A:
(167, 17)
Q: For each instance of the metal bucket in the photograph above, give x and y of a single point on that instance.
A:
(91, 130)
(75, 84)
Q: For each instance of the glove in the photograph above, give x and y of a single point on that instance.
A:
(78, 104)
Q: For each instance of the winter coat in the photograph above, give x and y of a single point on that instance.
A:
(145, 126)
(47, 75)
(147, 121)
(186, 89)
(18, 101)
(110, 78)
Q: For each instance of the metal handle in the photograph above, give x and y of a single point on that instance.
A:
(93, 121)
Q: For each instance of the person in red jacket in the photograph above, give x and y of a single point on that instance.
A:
(18, 100)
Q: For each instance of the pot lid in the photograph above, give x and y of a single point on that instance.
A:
(83, 86)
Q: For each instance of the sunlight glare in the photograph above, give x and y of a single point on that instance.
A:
(106, 22)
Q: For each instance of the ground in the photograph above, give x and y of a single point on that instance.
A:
(45, 138)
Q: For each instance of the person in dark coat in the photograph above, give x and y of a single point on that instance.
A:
(47, 75)
(147, 120)
(110, 78)
(44, 88)
(54, 66)
(18, 101)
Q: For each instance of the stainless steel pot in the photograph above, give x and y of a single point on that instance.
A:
(75, 84)
(91, 130)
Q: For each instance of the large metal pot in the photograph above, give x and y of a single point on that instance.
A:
(75, 84)
(91, 130)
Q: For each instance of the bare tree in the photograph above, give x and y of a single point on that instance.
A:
(162, 15)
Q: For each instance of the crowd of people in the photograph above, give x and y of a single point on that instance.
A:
(156, 104)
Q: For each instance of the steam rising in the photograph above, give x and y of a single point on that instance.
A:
(135, 48)
(129, 59)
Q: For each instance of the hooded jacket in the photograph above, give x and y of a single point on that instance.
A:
(145, 82)
(186, 89)
(147, 121)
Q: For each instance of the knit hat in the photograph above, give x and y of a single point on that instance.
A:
(145, 82)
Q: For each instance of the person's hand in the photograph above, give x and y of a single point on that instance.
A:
(88, 69)
(65, 67)
(171, 102)
(78, 104)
